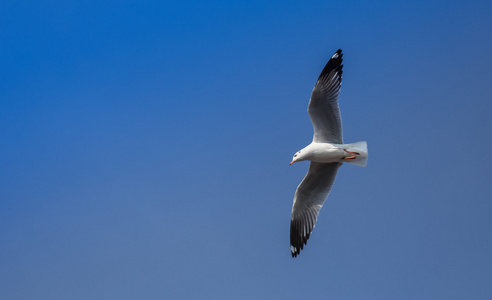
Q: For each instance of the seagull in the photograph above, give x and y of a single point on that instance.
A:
(327, 153)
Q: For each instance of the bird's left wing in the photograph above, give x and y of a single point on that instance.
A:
(323, 106)
(308, 200)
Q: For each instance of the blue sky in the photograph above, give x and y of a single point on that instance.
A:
(146, 147)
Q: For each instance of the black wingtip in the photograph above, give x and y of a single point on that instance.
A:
(335, 63)
(297, 239)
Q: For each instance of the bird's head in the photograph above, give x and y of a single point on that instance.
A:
(299, 156)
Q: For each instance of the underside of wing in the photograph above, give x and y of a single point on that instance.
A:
(323, 107)
(308, 200)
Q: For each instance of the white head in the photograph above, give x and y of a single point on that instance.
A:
(299, 156)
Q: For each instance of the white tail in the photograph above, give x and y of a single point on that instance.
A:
(361, 148)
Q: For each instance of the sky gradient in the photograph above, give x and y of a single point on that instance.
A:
(145, 149)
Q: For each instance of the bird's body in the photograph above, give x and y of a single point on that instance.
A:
(327, 152)
(330, 153)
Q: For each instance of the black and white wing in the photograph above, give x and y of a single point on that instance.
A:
(323, 106)
(308, 200)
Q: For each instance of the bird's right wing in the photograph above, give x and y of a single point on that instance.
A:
(308, 200)
(323, 106)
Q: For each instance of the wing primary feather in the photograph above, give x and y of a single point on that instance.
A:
(334, 62)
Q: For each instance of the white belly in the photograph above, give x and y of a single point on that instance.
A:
(327, 153)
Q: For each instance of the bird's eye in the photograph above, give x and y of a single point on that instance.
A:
(295, 155)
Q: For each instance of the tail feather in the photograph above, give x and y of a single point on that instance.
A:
(361, 148)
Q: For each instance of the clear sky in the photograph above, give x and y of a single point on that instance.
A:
(145, 149)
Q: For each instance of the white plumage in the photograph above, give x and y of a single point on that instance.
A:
(327, 152)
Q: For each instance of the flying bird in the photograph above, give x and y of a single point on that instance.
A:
(327, 153)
